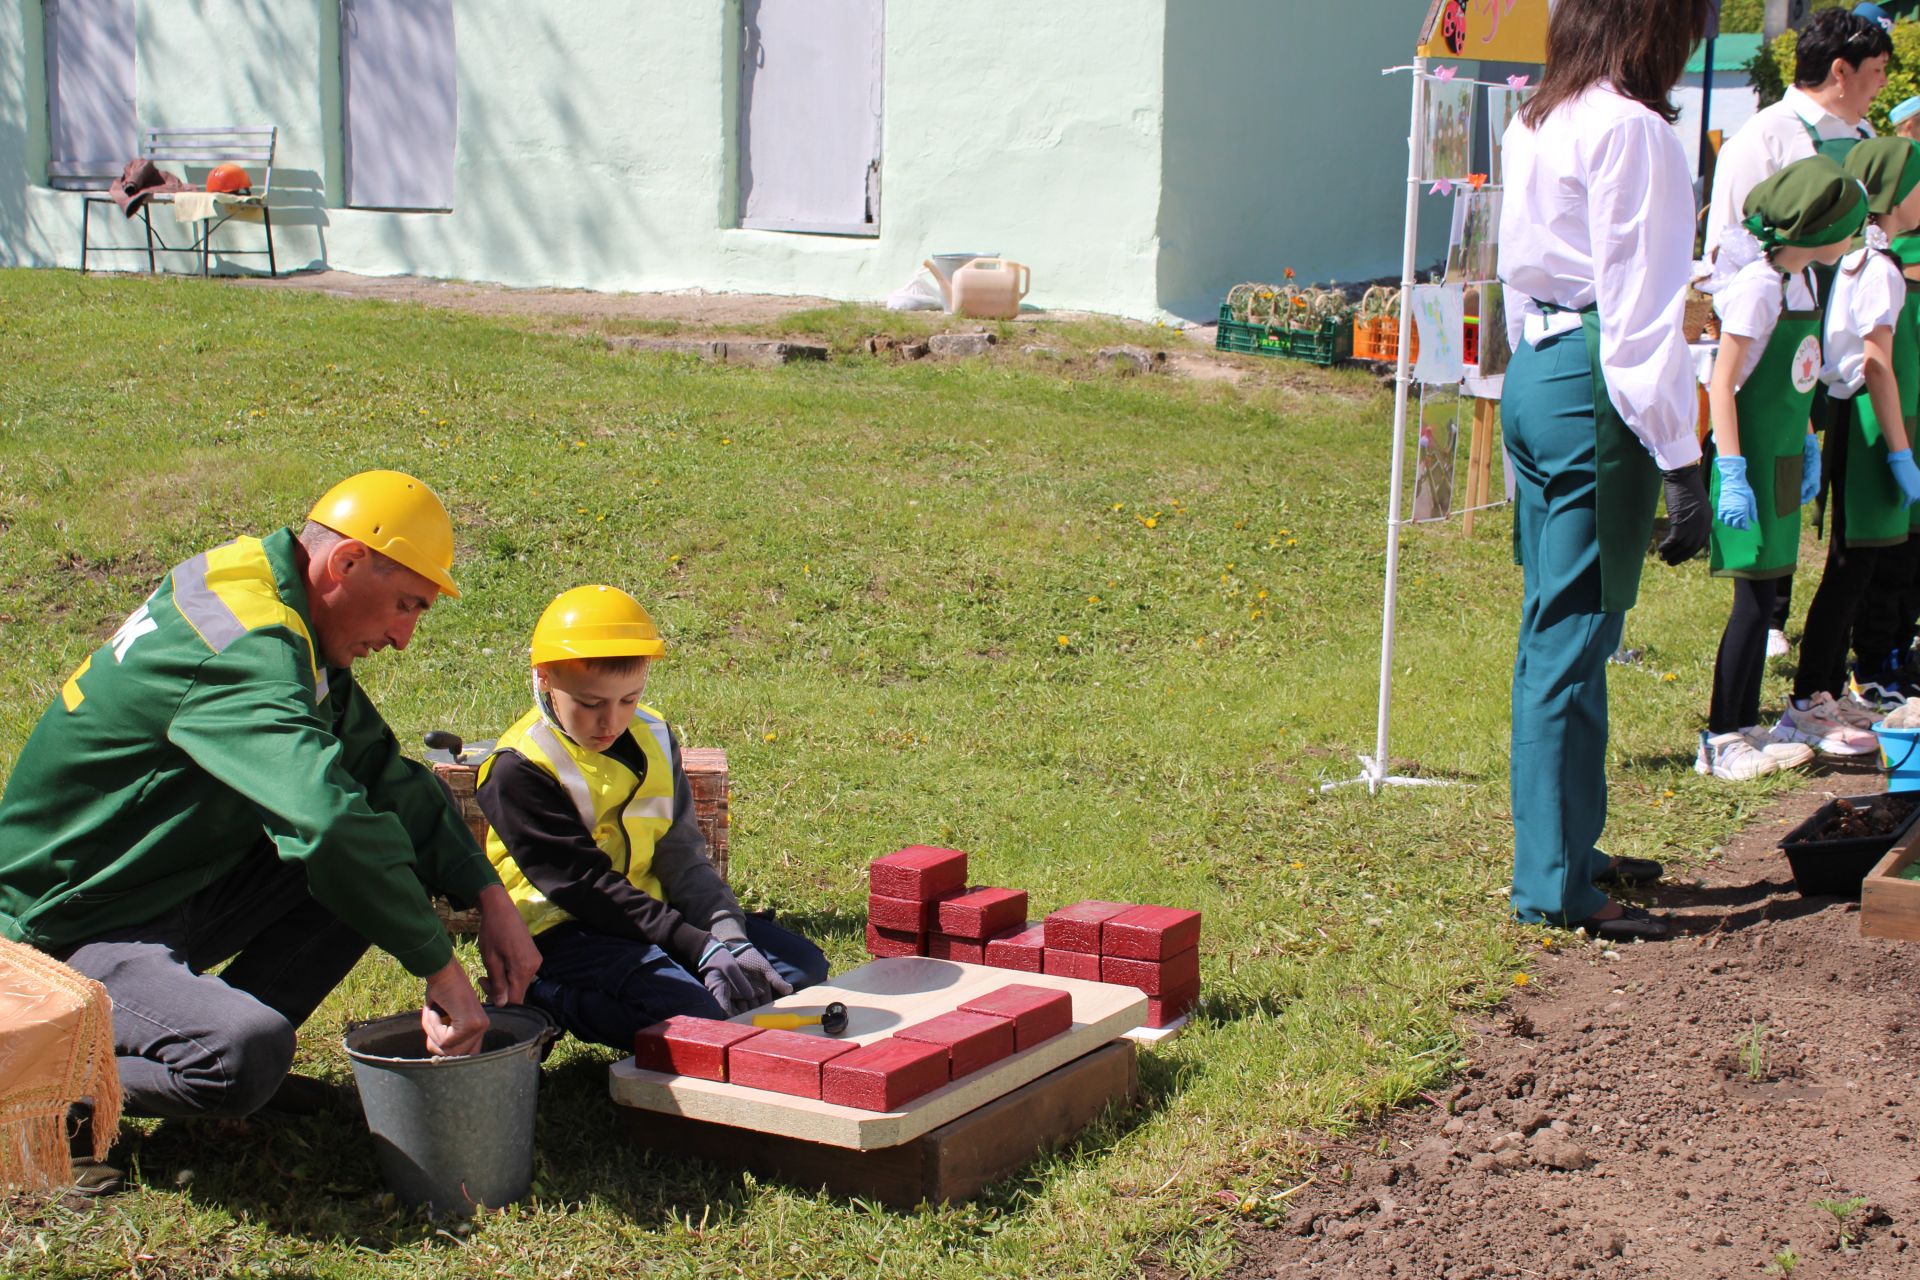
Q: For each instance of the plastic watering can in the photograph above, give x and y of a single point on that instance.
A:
(989, 289)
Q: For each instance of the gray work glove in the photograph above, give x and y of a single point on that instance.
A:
(727, 980)
(767, 982)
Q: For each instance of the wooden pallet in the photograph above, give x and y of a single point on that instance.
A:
(1889, 904)
(953, 1162)
(882, 996)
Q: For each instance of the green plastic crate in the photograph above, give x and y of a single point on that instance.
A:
(1329, 344)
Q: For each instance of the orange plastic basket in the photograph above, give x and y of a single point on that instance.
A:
(1379, 339)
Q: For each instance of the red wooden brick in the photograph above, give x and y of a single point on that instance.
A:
(943, 946)
(1037, 1013)
(920, 872)
(884, 1075)
(980, 913)
(894, 942)
(1071, 964)
(783, 1062)
(906, 915)
(1171, 1007)
(1155, 977)
(972, 1040)
(1020, 948)
(689, 1046)
(1077, 928)
(1150, 933)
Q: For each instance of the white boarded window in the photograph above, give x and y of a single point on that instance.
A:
(810, 83)
(90, 126)
(398, 95)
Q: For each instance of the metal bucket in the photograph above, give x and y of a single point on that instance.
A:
(454, 1134)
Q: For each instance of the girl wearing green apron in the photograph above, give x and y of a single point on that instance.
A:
(1871, 474)
(1768, 461)
(1596, 230)
(1884, 669)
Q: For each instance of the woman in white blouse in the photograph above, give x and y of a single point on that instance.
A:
(1596, 243)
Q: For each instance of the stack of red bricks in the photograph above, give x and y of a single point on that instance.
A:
(881, 1076)
(919, 904)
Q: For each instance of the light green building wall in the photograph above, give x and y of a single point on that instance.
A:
(1139, 155)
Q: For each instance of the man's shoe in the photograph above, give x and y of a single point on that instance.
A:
(1631, 925)
(300, 1095)
(1631, 871)
(91, 1177)
(1778, 645)
(1732, 757)
(97, 1178)
(1816, 726)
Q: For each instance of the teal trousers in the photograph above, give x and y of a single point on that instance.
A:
(1558, 770)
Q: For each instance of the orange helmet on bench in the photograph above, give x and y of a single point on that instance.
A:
(229, 178)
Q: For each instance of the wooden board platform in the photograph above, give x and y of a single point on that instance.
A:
(951, 1163)
(1889, 904)
(881, 997)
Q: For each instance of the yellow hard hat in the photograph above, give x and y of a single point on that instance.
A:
(397, 516)
(595, 622)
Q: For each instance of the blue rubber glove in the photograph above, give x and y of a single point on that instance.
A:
(1810, 469)
(1905, 474)
(1735, 508)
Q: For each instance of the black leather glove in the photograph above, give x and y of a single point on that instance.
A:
(726, 981)
(1689, 518)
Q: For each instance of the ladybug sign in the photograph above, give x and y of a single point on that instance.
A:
(1495, 30)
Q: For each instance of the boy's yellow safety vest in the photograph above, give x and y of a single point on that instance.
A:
(625, 814)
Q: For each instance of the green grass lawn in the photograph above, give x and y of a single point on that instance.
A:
(1106, 633)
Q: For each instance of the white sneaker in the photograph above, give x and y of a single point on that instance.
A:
(1816, 726)
(1849, 710)
(1874, 697)
(1790, 755)
(1777, 646)
(1731, 756)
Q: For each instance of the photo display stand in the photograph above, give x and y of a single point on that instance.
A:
(1472, 31)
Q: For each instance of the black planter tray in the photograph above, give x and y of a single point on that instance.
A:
(1835, 867)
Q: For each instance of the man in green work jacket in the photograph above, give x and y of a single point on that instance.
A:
(213, 785)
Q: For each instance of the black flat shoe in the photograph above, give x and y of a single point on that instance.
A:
(1631, 871)
(1632, 925)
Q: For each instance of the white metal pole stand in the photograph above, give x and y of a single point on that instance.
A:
(1373, 768)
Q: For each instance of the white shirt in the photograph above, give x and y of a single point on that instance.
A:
(1868, 291)
(1773, 139)
(1601, 194)
(1749, 307)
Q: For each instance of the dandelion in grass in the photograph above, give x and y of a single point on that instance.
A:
(1063, 641)
(1093, 599)
(1521, 979)
(1119, 506)
(769, 735)
(1151, 522)
(1670, 677)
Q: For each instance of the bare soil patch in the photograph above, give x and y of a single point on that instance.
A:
(1660, 1110)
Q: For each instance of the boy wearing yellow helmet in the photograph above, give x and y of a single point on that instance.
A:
(593, 835)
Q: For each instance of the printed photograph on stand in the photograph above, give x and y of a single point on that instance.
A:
(1503, 106)
(1434, 458)
(1447, 144)
(1471, 251)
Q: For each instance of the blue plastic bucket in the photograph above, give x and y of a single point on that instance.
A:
(1900, 752)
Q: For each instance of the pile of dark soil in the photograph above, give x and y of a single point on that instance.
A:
(1739, 1101)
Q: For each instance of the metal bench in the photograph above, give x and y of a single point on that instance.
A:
(249, 146)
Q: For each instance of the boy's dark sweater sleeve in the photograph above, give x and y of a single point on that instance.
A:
(686, 874)
(530, 812)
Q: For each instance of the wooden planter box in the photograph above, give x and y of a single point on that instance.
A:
(1890, 905)
(706, 774)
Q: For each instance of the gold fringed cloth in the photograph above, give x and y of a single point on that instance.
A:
(56, 1047)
